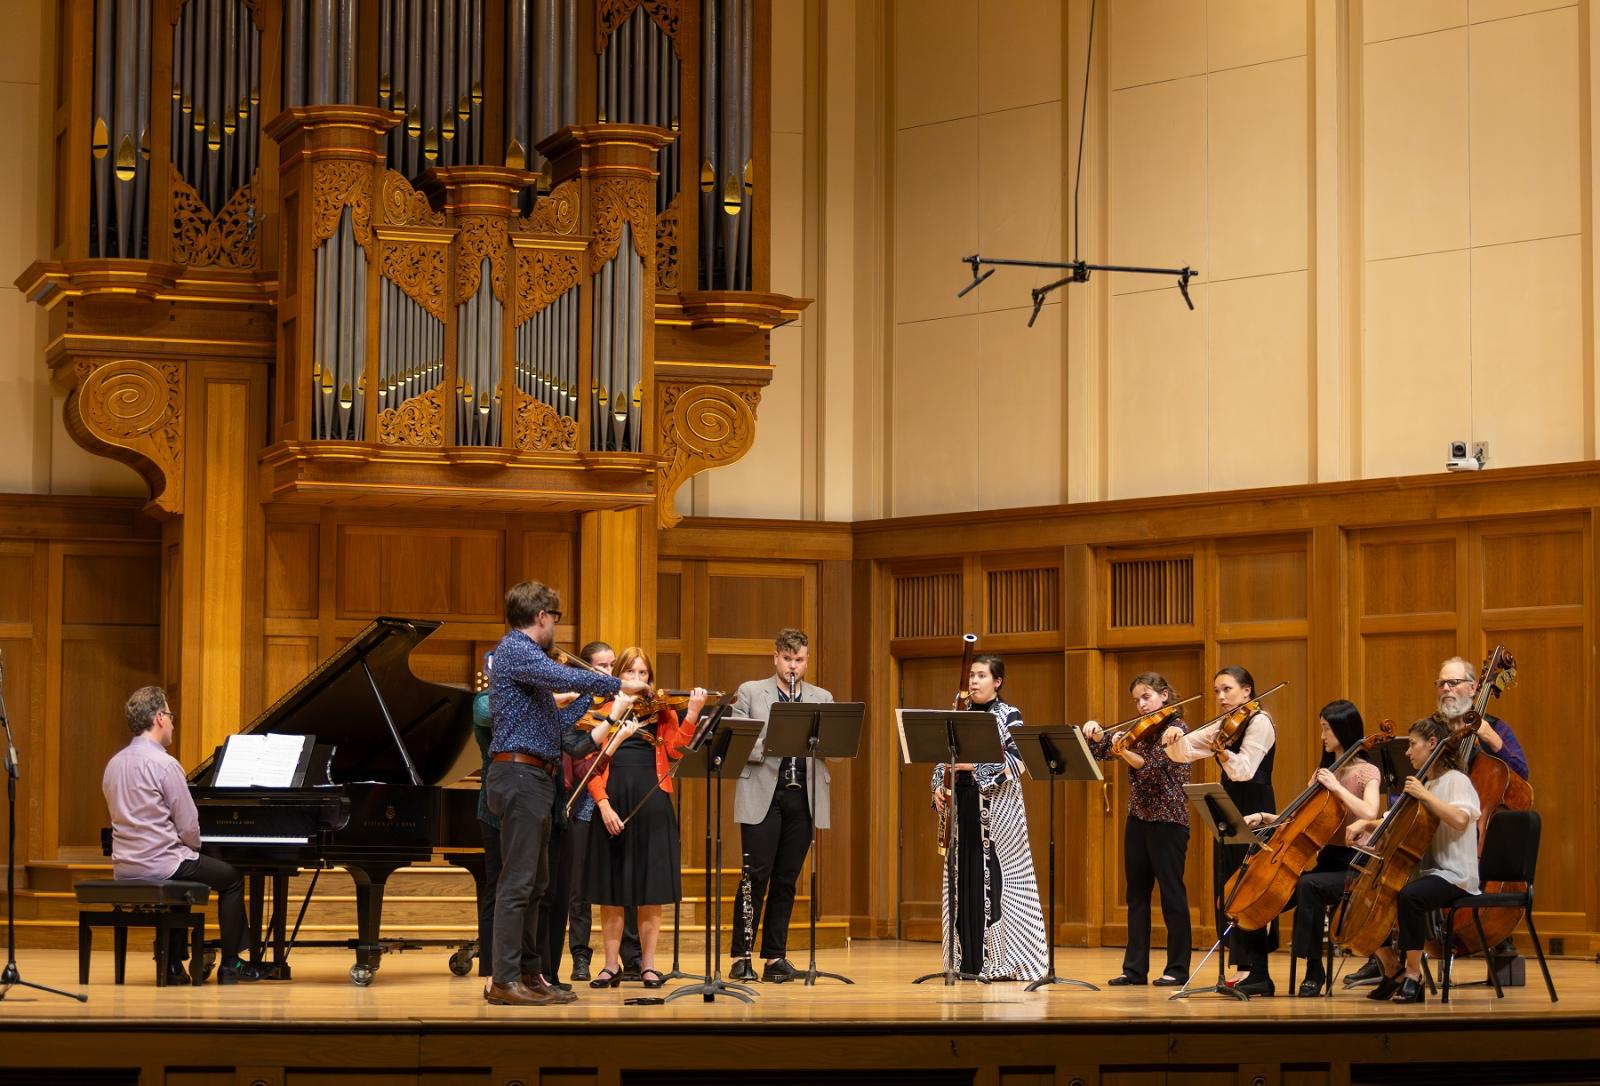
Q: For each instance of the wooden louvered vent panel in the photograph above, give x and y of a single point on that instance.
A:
(1152, 592)
(927, 605)
(1024, 600)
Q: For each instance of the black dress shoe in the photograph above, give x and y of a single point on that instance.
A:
(742, 970)
(779, 970)
(580, 968)
(1311, 986)
(1253, 986)
(1169, 981)
(1123, 980)
(1410, 991)
(630, 971)
(235, 972)
(177, 974)
(652, 978)
(1387, 986)
(1370, 973)
(606, 978)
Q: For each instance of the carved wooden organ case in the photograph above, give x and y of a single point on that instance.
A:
(492, 252)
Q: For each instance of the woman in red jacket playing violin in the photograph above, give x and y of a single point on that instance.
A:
(637, 863)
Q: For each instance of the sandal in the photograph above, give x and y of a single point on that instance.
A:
(607, 978)
(652, 978)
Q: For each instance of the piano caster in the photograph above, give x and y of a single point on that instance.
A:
(461, 961)
(362, 975)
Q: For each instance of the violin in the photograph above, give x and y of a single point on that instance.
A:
(1265, 882)
(1129, 732)
(1231, 721)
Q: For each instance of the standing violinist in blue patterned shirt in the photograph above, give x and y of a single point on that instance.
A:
(524, 766)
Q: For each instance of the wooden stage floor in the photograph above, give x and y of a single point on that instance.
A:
(417, 1015)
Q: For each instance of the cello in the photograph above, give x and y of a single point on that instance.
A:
(1266, 881)
(1366, 915)
(1499, 788)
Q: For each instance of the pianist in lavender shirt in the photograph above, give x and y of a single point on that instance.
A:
(155, 830)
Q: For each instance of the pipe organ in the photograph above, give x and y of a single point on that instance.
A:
(461, 225)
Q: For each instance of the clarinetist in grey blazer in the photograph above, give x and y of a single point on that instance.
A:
(774, 803)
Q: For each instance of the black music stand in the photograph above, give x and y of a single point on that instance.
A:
(812, 730)
(945, 736)
(731, 740)
(1227, 827)
(1055, 752)
(11, 976)
(1394, 766)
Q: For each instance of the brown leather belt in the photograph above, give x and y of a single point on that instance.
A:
(525, 759)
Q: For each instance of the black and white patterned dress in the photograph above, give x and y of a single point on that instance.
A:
(995, 872)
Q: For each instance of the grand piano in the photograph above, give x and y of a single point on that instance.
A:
(376, 799)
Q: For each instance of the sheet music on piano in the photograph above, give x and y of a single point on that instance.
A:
(270, 760)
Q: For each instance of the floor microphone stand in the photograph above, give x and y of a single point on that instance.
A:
(11, 976)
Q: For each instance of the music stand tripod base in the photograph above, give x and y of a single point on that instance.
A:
(815, 730)
(732, 740)
(1052, 753)
(1221, 987)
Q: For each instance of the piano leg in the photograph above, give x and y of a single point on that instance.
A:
(280, 920)
(257, 888)
(369, 880)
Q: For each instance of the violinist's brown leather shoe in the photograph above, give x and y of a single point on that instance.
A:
(516, 994)
(535, 983)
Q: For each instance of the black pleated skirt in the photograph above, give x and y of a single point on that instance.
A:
(639, 866)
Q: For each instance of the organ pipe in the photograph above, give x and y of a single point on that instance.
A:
(216, 97)
(119, 135)
(726, 171)
(428, 51)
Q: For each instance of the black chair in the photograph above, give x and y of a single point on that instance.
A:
(167, 905)
(1510, 854)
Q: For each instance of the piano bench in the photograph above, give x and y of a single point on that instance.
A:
(162, 904)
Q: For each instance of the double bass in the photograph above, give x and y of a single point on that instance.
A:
(1499, 788)
(1266, 881)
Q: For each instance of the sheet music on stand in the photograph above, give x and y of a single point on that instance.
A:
(273, 760)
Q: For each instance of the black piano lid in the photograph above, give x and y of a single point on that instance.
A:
(336, 704)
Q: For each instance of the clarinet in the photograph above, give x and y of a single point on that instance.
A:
(790, 774)
(747, 908)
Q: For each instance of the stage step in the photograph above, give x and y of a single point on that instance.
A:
(428, 901)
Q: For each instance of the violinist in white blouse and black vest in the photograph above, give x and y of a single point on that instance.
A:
(774, 803)
(1247, 779)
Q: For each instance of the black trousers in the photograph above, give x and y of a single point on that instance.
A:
(225, 879)
(552, 904)
(774, 852)
(491, 880)
(1413, 903)
(522, 797)
(1316, 893)
(1247, 950)
(1153, 854)
(579, 916)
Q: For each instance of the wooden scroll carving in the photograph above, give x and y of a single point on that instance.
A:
(556, 213)
(201, 240)
(405, 206)
(132, 411)
(334, 186)
(539, 428)
(481, 236)
(610, 14)
(619, 200)
(667, 249)
(418, 422)
(543, 275)
(702, 426)
(419, 270)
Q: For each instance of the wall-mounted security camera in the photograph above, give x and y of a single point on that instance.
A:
(1463, 457)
